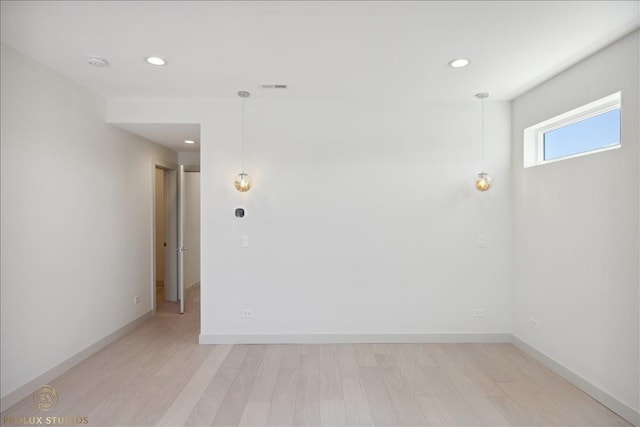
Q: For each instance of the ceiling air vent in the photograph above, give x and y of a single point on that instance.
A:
(273, 86)
(97, 61)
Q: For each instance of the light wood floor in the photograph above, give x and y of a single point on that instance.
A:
(159, 375)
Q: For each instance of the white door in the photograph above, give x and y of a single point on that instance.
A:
(181, 248)
(171, 285)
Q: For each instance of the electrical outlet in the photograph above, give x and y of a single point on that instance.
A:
(482, 241)
(136, 300)
(533, 322)
(244, 241)
(478, 312)
(246, 312)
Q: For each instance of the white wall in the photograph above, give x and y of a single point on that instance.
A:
(363, 219)
(576, 232)
(76, 220)
(192, 228)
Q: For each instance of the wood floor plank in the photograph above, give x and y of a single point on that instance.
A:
(207, 407)
(420, 357)
(255, 413)
(290, 356)
(434, 411)
(167, 389)
(307, 407)
(347, 361)
(357, 409)
(283, 401)
(236, 398)
(473, 395)
(380, 403)
(580, 406)
(365, 355)
(267, 374)
(330, 378)
(184, 404)
(513, 412)
(378, 348)
(534, 401)
(407, 411)
(564, 402)
(409, 363)
(471, 369)
(499, 365)
(332, 413)
(455, 403)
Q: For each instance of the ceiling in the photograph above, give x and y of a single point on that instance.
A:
(171, 135)
(318, 48)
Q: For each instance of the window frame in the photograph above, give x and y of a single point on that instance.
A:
(534, 135)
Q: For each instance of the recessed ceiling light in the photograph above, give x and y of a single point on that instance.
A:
(458, 63)
(188, 141)
(155, 60)
(96, 61)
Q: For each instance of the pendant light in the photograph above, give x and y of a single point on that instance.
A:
(243, 183)
(483, 180)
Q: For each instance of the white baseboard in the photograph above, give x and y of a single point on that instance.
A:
(355, 338)
(21, 392)
(625, 411)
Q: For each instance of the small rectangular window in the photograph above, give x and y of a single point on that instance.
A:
(588, 129)
(589, 134)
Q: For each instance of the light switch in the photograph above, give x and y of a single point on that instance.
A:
(244, 241)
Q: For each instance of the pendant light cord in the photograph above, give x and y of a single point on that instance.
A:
(243, 135)
(482, 144)
(481, 96)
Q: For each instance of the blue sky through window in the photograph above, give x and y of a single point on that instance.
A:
(590, 134)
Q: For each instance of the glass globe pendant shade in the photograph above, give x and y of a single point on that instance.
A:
(483, 181)
(242, 183)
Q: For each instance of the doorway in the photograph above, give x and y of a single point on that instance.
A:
(176, 236)
(160, 239)
(167, 245)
